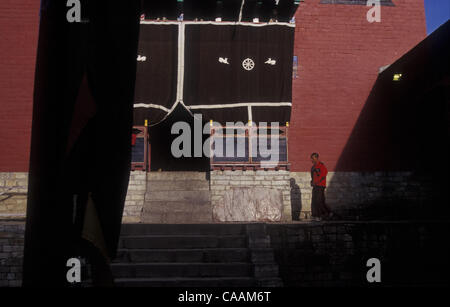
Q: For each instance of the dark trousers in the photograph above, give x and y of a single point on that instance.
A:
(318, 205)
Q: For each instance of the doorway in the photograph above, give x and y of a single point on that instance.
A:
(161, 138)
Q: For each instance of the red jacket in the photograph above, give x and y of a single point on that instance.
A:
(319, 175)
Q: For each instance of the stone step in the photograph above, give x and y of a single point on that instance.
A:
(266, 270)
(262, 255)
(149, 270)
(177, 185)
(173, 176)
(176, 206)
(194, 255)
(212, 255)
(180, 241)
(192, 196)
(183, 229)
(176, 217)
(269, 282)
(186, 282)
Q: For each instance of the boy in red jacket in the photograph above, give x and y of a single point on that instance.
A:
(319, 182)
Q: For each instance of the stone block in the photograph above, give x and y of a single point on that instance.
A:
(4, 175)
(248, 182)
(217, 187)
(131, 219)
(220, 182)
(280, 183)
(137, 197)
(249, 204)
(220, 177)
(10, 183)
(21, 175)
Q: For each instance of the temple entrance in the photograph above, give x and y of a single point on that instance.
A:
(236, 76)
(161, 139)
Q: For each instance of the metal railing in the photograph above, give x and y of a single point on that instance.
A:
(245, 142)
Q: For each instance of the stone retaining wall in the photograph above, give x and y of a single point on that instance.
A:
(134, 202)
(15, 206)
(237, 195)
(336, 253)
(352, 193)
(320, 254)
(11, 253)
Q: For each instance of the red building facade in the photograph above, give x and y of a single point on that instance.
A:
(339, 56)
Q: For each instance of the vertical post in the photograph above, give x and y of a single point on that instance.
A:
(146, 147)
(211, 142)
(287, 144)
(250, 142)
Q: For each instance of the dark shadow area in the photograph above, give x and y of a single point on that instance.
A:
(161, 140)
(336, 253)
(296, 200)
(402, 133)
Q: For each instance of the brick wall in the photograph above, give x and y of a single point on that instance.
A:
(19, 24)
(339, 56)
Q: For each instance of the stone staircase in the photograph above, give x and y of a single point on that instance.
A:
(177, 197)
(195, 255)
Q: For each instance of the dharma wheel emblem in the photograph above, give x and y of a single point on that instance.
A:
(248, 64)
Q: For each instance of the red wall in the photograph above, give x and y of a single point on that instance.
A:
(340, 54)
(339, 57)
(19, 25)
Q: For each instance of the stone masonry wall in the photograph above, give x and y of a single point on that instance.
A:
(134, 202)
(11, 253)
(224, 181)
(13, 206)
(358, 193)
(336, 253)
(320, 254)
(349, 193)
(17, 183)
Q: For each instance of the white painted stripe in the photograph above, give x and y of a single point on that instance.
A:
(187, 108)
(150, 105)
(240, 11)
(160, 23)
(180, 76)
(220, 23)
(180, 71)
(242, 23)
(181, 43)
(242, 104)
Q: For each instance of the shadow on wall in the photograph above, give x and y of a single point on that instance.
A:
(399, 145)
(296, 200)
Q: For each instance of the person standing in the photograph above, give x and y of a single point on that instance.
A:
(319, 172)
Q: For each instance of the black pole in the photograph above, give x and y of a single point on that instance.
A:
(84, 82)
